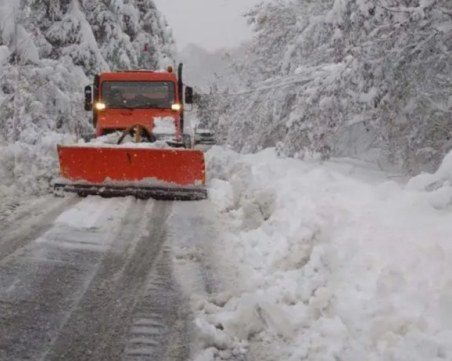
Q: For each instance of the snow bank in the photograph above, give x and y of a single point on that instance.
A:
(28, 168)
(442, 177)
(330, 266)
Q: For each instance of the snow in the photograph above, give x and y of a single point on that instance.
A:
(14, 34)
(78, 217)
(385, 66)
(164, 126)
(60, 46)
(4, 54)
(318, 260)
(328, 264)
(73, 22)
(444, 27)
(107, 141)
(441, 178)
(89, 225)
(27, 168)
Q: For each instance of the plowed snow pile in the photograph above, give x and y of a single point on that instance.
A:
(332, 263)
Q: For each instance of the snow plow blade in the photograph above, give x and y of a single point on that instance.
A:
(168, 174)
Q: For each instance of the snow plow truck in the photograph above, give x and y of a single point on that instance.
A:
(142, 112)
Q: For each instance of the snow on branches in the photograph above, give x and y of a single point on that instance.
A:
(360, 78)
(49, 50)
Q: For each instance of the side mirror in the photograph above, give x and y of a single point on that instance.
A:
(88, 98)
(188, 95)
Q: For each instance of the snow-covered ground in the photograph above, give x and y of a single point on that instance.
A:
(296, 260)
(330, 261)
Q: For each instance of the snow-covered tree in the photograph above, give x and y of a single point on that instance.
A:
(49, 50)
(349, 78)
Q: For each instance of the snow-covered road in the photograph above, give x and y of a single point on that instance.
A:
(288, 260)
(92, 279)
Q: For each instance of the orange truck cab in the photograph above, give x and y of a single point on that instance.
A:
(149, 99)
(149, 106)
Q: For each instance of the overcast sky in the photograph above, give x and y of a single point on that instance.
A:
(213, 24)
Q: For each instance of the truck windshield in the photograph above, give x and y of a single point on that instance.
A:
(138, 94)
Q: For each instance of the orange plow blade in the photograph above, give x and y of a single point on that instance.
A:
(175, 174)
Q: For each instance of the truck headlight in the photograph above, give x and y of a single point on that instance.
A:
(176, 107)
(100, 106)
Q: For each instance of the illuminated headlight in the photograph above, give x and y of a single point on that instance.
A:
(176, 107)
(100, 106)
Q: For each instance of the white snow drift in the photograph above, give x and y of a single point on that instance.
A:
(332, 262)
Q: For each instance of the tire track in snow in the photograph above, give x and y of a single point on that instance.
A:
(42, 283)
(98, 326)
(7, 210)
(159, 329)
(18, 229)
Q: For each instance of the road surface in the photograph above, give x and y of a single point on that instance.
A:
(93, 279)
